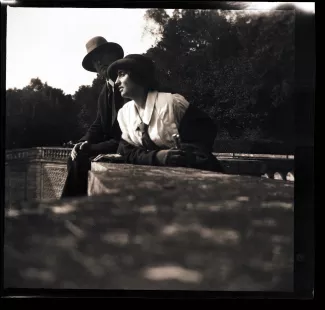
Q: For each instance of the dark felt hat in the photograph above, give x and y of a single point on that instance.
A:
(99, 44)
(143, 66)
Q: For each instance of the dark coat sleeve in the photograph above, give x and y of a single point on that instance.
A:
(106, 147)
(198, 132)
(197, 128)
(111, 143)
(102, 136)
(136, 155)
(95, 132)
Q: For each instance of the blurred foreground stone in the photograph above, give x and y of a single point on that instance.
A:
(156, 228)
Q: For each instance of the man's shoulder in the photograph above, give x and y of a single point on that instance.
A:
(104, 91)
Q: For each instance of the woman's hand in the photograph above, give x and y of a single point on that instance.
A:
(172, 157)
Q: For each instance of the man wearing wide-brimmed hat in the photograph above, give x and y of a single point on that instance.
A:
(103, 135)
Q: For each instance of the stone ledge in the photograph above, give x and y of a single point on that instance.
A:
(106, 177)
(230, 165)
(144, 238)
(63, 153)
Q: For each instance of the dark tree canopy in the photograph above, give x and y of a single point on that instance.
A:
(238, 67)
(41, 115)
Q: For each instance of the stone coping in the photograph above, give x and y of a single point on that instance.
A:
(62, 153)
(38, 153)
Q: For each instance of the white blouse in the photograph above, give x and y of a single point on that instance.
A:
(163, 113)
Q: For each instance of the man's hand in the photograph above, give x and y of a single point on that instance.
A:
(79, 147)
(172, 157)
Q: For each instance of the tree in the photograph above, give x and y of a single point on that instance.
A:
(237, 67)
(39, 115)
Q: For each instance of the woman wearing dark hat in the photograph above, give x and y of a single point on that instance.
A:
(159, 128)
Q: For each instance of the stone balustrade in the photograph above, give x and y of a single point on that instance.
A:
(35, 174)
(39, 153)
(39, 173)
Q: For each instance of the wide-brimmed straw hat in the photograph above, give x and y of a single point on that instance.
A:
(99, 44)
(141, 65)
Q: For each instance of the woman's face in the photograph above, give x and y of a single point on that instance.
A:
(127, 87)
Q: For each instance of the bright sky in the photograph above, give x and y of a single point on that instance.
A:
(306, 6)
(49, 43)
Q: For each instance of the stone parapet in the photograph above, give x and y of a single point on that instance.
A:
(38, 153)
(39, 173)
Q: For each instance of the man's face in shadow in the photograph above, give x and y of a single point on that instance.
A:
(102, 60)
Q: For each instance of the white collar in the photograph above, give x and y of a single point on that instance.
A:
(150, 104)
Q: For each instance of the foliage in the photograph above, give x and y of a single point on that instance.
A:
(238, 67)
(39, 115)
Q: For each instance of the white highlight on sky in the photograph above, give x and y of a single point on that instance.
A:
(305, 6)
(50, 43)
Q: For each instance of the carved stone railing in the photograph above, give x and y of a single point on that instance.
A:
(60, 153)
(39, 153)
(39, 173)
(278, 167)
(35, 174)
(253, 156)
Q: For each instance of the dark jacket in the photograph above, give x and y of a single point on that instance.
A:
(197, 133)
(103, 136)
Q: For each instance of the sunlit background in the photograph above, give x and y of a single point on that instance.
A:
(49, 43)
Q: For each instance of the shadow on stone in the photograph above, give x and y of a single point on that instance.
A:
(226, 233)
